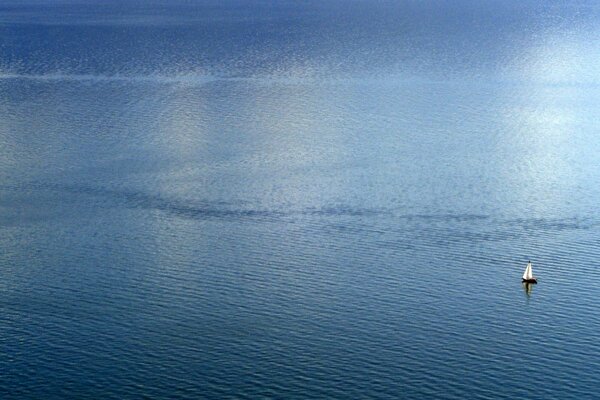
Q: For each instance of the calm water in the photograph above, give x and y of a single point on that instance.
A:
(299, 199)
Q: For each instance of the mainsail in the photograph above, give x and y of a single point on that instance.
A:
(528, 274)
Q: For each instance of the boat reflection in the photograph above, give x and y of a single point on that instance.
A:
(528, 287)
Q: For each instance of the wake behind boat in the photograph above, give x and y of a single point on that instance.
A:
(528, 274)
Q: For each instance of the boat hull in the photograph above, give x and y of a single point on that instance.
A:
(532, 280)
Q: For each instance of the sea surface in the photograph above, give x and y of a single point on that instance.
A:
(299, 199)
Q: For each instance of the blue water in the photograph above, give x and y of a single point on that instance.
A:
(229, 199)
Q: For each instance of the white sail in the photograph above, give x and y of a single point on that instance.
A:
(528, 274)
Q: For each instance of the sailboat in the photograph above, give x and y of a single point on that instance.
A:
(528, 274)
